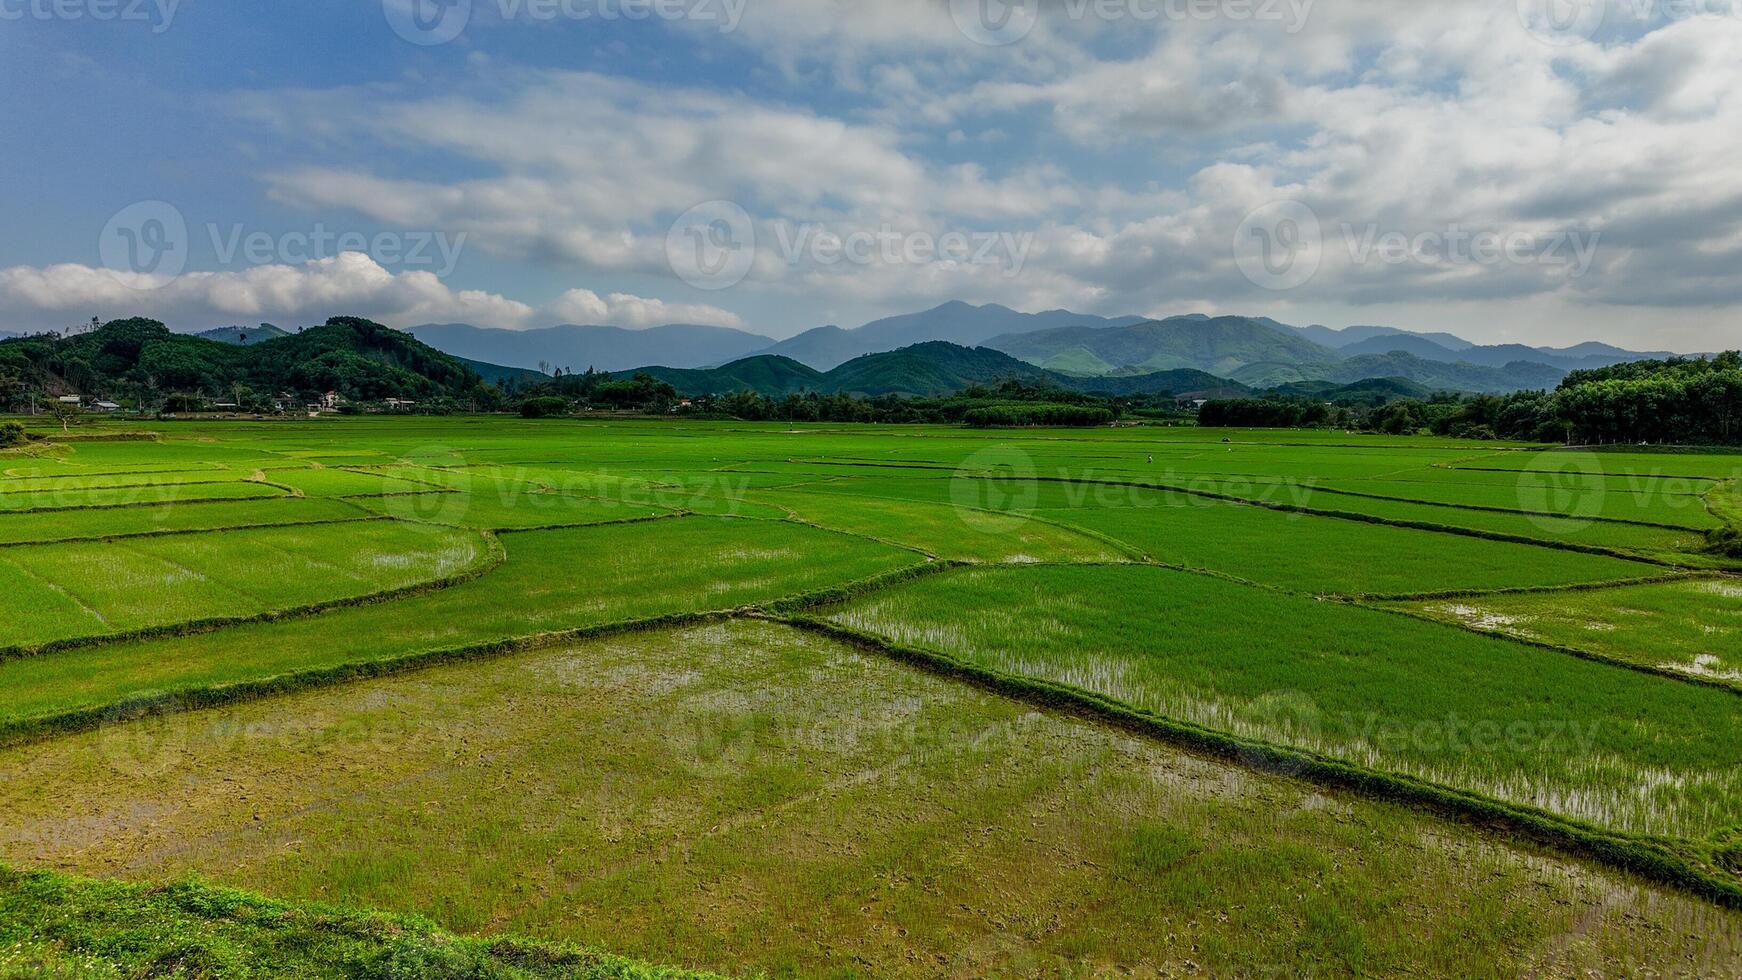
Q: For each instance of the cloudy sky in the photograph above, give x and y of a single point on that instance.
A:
(1545, 171)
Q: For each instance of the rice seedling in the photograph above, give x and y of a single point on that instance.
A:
(1593, 742)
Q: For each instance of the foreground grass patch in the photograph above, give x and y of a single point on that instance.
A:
(1596, 743)
(745, 797)
(55, 926)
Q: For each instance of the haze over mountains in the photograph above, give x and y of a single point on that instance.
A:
(1252, 352)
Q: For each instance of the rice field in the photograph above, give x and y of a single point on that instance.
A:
(1596, 743)
(1693, 626)
(843, 700)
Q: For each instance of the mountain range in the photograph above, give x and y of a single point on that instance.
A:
(1253, 351)
(957, 322)
(930, 369)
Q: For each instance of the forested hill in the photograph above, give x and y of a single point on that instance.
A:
(1675, 401)
(142, 360)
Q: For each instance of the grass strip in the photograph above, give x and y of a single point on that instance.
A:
(1521, 589)
(1490, 508)
(363, 516)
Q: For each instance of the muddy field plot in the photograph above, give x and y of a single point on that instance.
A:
(746, 797)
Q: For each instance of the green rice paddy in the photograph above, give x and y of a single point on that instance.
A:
(837, 700)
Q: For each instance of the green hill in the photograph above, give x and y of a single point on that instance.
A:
(765, 374)
(1369, 391)
(930, 369)
(1077, 360)
(142, 359)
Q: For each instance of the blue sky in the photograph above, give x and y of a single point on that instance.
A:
(1466, 166)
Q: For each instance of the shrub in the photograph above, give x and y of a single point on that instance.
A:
(11, 434)
(545, 407)
(1726, 541)
(1021, 413)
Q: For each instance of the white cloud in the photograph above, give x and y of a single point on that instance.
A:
(350, 283)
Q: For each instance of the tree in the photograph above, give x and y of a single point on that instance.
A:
(66, 413)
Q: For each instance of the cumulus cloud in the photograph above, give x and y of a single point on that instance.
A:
(350, 283)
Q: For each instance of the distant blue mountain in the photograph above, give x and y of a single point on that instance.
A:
(825, 348)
